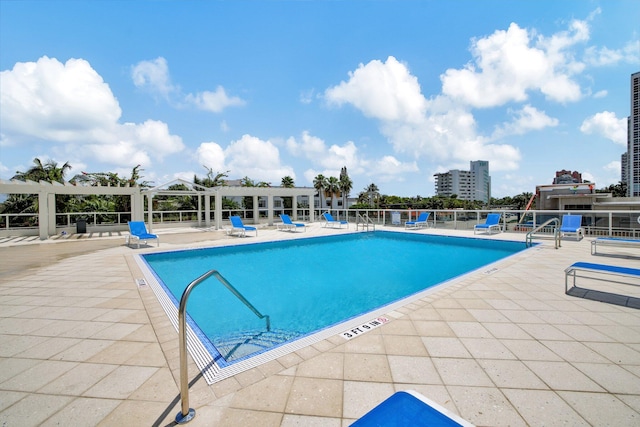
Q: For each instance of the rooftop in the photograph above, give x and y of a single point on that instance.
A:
(82, 344)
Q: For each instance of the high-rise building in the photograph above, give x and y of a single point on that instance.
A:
(474, 184)
(633, 140)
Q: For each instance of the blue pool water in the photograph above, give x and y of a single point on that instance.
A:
(306, 285)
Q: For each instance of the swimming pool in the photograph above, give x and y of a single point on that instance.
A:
(310, 285)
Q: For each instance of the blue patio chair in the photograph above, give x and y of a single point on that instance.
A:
(238, 227)
(138, 231)
(410, 408)
(572, 225)
(289, 225)
(329, 221)
(421, 221)
(491, 223)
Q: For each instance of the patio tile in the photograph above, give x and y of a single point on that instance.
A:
(613, 378)
(270, 394)
(138, 413)
(319, 397)
(121, 382)
(327, 365)
(309, 421)
(361, 397)
(406, 345)
(82, 411)
(464, 372)
(485, 406)
(486, 348)
(366, 367)
(78, 379)
(511, 374)
(232, 417)
(33, 410)
(600, 409)
(445, 347)
(563, 376)
(413, 370)
(37, 376)
(544, 407)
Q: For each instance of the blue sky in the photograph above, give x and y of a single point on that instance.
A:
(393, 90)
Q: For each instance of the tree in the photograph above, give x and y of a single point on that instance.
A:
(616, 190)
(320, 184)
(287, 182)
(212, 180)
(49, 172)
(333, 187)
(346, 185)
(374, 193)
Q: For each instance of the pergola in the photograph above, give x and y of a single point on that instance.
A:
(47, 192)
(204, 195)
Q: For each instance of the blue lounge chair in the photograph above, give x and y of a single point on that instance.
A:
(289, 225)
(597, 268)
(410, 408)
(238, 227)
(614, 241)
(492, 223)
(572, 225)
(138, 231)
(328, 220)
(422, 221)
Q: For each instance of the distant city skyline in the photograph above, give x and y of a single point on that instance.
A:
(394, 91)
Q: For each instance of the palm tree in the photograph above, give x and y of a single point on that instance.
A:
(287, 182)
(374, 193)
(333, 187)
(346, 185)
(217, 180)
(49, 172)
(320, 184)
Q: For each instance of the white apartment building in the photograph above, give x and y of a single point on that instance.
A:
(474, 184)
(631, 162)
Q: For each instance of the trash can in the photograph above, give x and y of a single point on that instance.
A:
(81, 226)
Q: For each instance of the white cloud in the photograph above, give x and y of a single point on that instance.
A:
(70, 105)
(211, 155)
(607, 125)
(257, 159)
(603, 56)
(332, 158)
(508, 64)
(396, 96)
(600, 94)
(213, 101)
(153, 75)
(613, 167)
(388, 168)
(437, 129)
(53, 101)
(526, 119)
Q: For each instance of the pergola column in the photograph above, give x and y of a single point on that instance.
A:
(256, 209)
(43, 216)
(270, 209)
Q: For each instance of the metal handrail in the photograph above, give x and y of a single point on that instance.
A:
(366, 221)
(187, 414)
(556, 234)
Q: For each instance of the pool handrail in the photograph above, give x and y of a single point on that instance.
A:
(186, 414)
(556, 234)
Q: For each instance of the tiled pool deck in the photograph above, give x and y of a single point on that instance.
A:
(82, 345)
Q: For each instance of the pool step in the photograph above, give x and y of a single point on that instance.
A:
(235, 346)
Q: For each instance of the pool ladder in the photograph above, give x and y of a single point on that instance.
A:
(364, 221)
(186, 414)
(556, 233)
